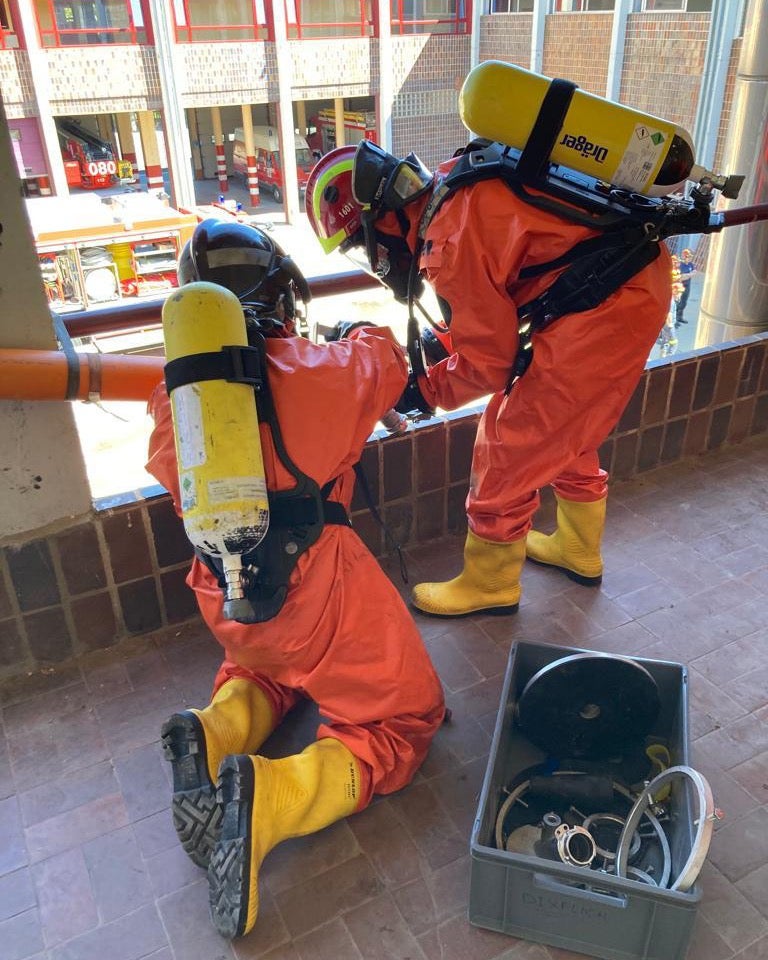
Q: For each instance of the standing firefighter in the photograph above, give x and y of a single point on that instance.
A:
(556, 392)
(316, 617)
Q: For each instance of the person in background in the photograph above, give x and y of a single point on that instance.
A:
(687, 272)
(343, 636)
(484, 253)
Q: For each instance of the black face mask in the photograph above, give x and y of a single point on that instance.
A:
(394, 266)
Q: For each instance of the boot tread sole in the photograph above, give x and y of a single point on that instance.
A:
(571, 574)
(229, 867)
(196, 814)
(499, 611)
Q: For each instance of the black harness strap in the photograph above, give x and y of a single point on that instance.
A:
(546, 129)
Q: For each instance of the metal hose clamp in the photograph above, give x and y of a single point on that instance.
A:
(575, 845)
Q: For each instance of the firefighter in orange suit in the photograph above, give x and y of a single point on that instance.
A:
(343, 637)
(543, 428)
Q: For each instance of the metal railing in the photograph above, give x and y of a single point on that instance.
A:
(147, 315)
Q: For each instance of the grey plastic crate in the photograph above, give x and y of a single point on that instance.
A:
(570, 907)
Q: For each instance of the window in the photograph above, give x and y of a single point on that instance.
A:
(675, 6)
(217, 20)
(8, 37)
(430, 16)
(307, 19)
(66, 23)
(511, 6)
(584, 6)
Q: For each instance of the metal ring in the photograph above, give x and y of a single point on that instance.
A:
(611, 818)
(565, 836)
(704, 825)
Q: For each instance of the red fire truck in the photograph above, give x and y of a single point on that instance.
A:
(88, 160)
(357, 126)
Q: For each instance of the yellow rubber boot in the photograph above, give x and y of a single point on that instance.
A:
(490, 581)
(574, 547)
(263, 803)
(238, 719)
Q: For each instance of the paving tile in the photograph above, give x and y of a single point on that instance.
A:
(729, 911)
(295, 860)
(132, 937)
(379, 931)
(186, 920)
(70, 829)
(332, 941)
(754, 886)
(756, 951)
(171, 869)
(736, 743)
(68, 791)
(142, 777)
(389, 848)
(269, 937)
(65, 896)
(428, 823)
(13, 851)
(17, 893)
(118, 878)
(328, 895)
(21, 936)
(741, 846)
(435, 897)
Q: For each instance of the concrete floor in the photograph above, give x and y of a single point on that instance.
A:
(90, 866)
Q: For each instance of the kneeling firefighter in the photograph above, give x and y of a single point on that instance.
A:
(318, 618)
(492, 252)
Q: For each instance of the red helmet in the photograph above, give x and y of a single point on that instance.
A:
(333, 212)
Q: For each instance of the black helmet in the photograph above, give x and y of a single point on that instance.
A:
(246, 261)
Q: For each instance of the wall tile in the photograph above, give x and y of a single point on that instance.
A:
(140, 606)
(630, 418)
(719, 427)
(48, 635)
(369, 462)
(741, 419)
(13, 650)
(180, 603)
(705, 382)
(461, 439)
(456, 512)
(752, 370)
(674, 437)
(33, 575)
(127, 544)
(728, 377)
(760, 420)
(430, 459)
(171, 543)
(650, 448)
(683, 380)
(624, 456)
(430, 516)
(657, 395)
(94, 619)
(80, 558)
(697, 433)
(399, 521)
(398, 463)
(6, 602)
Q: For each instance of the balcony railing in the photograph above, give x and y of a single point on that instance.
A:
(431, 16)
(192, 27)
(300, 26)
(82, 24)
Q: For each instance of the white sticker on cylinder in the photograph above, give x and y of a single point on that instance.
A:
(228, 489)
(188, 421)
(640, 158)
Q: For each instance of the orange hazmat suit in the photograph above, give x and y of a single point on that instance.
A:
(344, 637)
(547, 429)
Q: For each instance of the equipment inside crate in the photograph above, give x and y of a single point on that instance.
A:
(602, 799)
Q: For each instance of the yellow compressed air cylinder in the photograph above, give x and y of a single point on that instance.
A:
(221, 467)
(606, 140)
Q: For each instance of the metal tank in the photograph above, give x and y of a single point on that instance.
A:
(734, 301)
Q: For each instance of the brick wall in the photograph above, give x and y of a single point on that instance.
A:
(122, 573)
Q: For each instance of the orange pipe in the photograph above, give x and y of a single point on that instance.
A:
(42, 375)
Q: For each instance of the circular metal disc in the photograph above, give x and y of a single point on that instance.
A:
(590, 705)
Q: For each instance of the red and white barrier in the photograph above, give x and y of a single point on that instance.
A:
(253, 182)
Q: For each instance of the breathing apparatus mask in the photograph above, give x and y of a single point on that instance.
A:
(383, 185)
(250, 264)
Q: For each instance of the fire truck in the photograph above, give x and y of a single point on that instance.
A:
(357, 126)
(89, 161)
